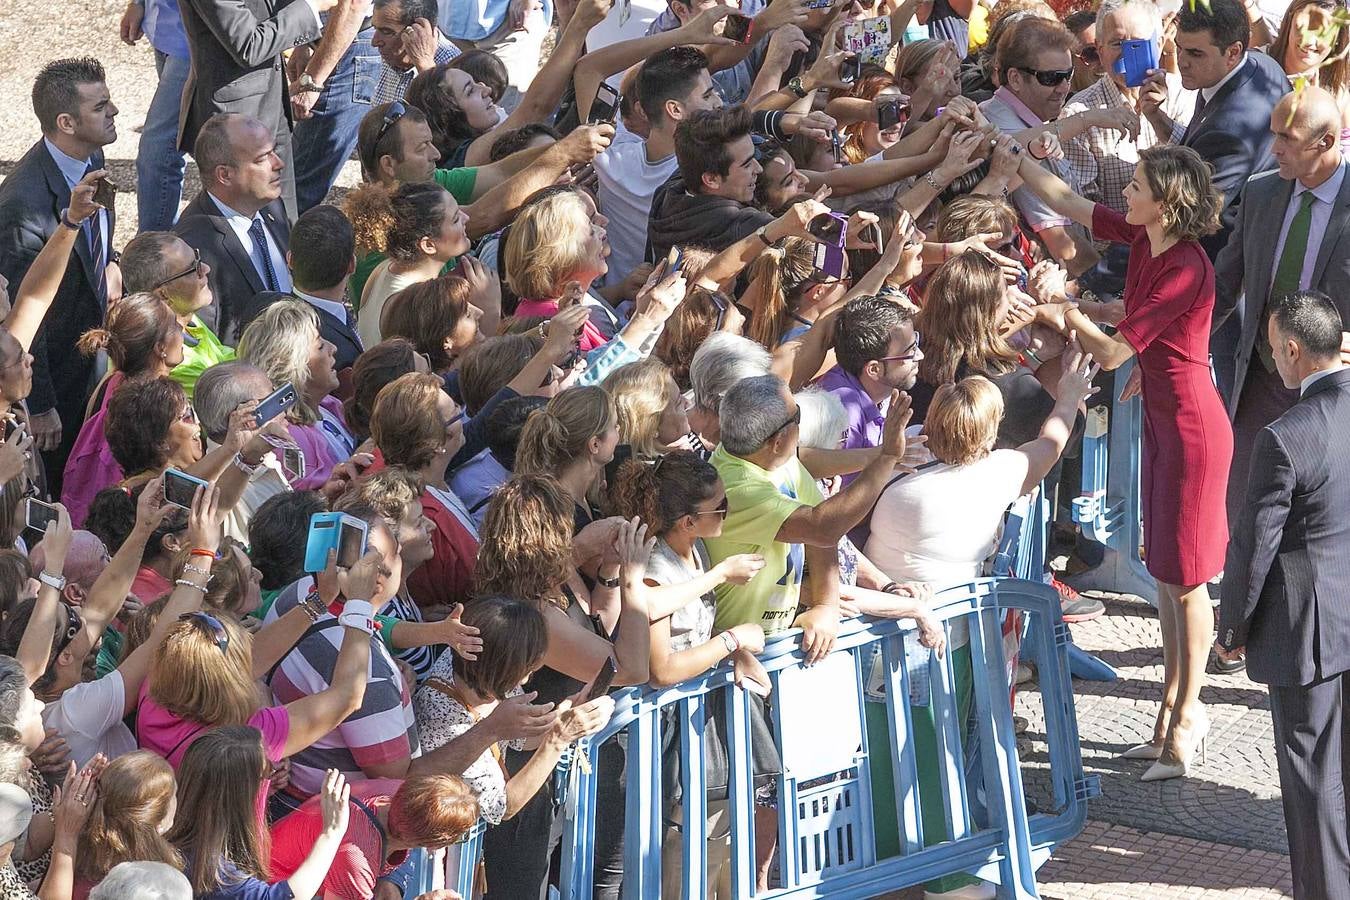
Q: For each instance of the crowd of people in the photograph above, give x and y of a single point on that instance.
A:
(326, 526)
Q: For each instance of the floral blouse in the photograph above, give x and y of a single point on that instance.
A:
(441, 718)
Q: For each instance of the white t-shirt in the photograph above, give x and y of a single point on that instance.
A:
(381, 285)
(627, 184)
(940, 524)
(692, 624)
(89, 718)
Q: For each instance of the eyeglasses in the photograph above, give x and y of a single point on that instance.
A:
(188, 415)
(1048, 77)
(794, 419)
(912, 352)
(190, 270)
(722, 508)
(395, 112)
(1088, 54)
(218, 634)
(454, 420)
(74, 624)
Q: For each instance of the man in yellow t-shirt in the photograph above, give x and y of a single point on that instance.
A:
(775, 509)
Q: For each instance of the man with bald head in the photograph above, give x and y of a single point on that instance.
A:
(1292, 233)
(237, 223)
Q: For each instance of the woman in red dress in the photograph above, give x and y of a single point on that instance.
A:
(1188, 443)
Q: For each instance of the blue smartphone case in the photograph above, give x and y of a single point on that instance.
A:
(1136, 58)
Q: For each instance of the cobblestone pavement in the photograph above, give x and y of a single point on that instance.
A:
(1218, 833)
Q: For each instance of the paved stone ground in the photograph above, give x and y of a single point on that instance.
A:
(1218, 833)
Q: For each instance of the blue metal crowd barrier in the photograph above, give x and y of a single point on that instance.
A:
(826, 838)
(1109, 508)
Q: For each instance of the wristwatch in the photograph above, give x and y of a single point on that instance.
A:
(65, 220)
(305, 83)
(607, 582)
(795, 85)
(53, 581)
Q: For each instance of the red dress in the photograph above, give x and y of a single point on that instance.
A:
(1188, 442)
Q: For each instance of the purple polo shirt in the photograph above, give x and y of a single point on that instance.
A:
(865, 418)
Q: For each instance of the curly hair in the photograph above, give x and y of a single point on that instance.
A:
(526, 548)
(140, 414)
(959, 320)
(663, 492)
(1183, 183)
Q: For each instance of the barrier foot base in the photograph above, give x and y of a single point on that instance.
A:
(1083, 664)
(1118, 574)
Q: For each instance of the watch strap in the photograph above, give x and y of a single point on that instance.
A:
(53, 581)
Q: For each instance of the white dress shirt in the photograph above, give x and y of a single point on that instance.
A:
(1209, 92)
(240, 224)
(1315, 376)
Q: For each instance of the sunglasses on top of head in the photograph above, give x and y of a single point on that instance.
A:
(1048, 77)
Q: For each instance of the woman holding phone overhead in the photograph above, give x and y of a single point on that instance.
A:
(1187, 442)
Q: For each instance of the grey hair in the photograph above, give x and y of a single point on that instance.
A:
(142, 881)
(752, 412)
(143, 261)
(721, 361)
(13, 681)
(1110, 6)
(279, 342)
(823, 419)
(412, 10)
(220, 390)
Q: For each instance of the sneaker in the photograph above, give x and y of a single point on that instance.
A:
(1021, 724)
(1075, 607)
(1023, 674)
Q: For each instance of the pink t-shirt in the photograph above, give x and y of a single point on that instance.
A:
(169, 735)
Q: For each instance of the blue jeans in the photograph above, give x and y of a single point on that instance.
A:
(159, 162)
(325, 140)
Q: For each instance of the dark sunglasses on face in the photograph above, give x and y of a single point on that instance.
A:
(720, 511)
(794, 419)
(73, 625)
(1088, 54)
(1048, 77)
(190, 270)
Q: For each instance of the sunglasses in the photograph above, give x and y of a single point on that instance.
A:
(188, 415)
(720, 511)
(912, 352)
(396, 111)
(190, 270)
(74, 624)
(1048, 77)
(794, 419)
(1088, 54)
(217, 631)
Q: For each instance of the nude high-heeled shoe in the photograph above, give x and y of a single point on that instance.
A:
(1175, 764)
(1148, 750)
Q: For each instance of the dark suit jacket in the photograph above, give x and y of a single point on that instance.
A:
(1286, 586)
(31, 200)
(236, 48)
(1246, 265)
(332, 329)
(234, 280)
(1232, 134)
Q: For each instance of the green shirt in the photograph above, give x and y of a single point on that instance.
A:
(460, 183)
(758, 503)
(198, 359)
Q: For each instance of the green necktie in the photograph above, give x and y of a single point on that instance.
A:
(1288, 271)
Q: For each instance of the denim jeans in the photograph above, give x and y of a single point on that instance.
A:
(159, 162)
(324, 141)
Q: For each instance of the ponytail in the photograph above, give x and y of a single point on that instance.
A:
(132, 334)
(664, 491)
(779, 271)
(94, 340)
(635, 492)
(555, 437)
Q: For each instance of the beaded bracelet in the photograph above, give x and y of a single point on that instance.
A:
(192, 584)
(206, 573)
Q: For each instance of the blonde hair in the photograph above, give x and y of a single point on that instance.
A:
(962, 422)
(405, 424)
(193, 678)
(777, 278)
(555, 436)
(279, 341)
(911, 59)
(390, 492)
(960, 320)
(1183, 184)
(546, 244)
(134, 793)
(976, 214)
(641, 393)
(526, 550)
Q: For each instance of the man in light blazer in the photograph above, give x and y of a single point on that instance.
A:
(1286, 589)
(1262, 262)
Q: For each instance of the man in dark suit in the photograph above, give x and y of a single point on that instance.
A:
(1230, 128)
(322, 259)
(237, 222)
(1286, 591)
(1277, 247)
(236, 48)
(70, 97)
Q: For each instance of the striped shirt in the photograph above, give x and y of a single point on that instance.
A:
(394, 84)
(383, 730)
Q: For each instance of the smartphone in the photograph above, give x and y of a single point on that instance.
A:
(890, 113)
(600, 686)
(329, 530)
(850, 70)
(720, 304)
(1137, 56)
(820, 4)
(105, 192)
(829, 261)
(37, 514)
(829, 228)
(836, 146)
(737, 28)
(180, 488)
(275, 403)
(675, 261)
(605, 107)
